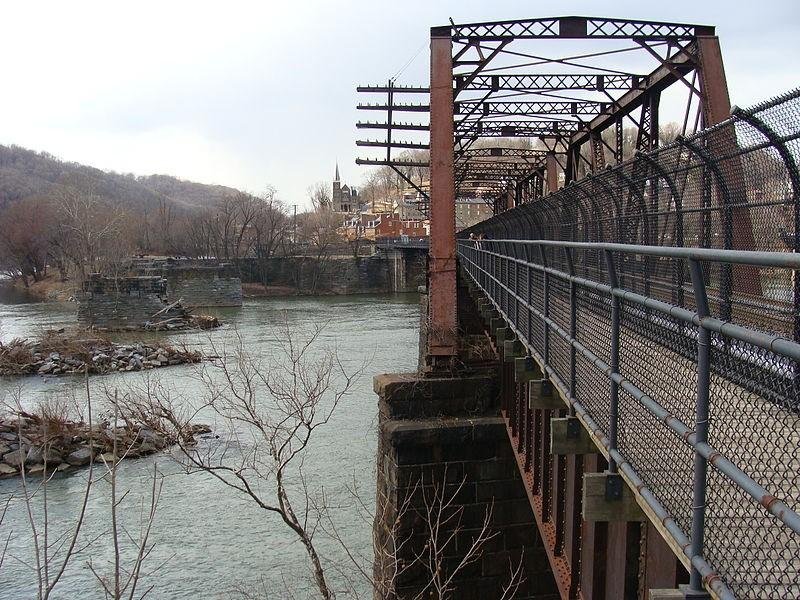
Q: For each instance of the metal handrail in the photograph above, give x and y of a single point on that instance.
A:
(785, 260)
(485, 261)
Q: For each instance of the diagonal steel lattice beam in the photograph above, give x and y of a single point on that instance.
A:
(530, 108)
(498, 82)
(578, 28)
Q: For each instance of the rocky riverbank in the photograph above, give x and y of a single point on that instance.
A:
(39, 445)
(59, 354)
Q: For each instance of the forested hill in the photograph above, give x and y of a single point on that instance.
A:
(25, 173)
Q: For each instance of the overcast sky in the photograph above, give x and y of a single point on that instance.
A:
(248, 94)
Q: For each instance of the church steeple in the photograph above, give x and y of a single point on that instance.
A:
(337, 171)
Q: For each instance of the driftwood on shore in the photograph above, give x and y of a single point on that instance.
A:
(57, 353)
(41, 446)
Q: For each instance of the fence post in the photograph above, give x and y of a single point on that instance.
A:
(546, 311)
(696, 590)
(613, 412)
(726, 276)
(573, 328)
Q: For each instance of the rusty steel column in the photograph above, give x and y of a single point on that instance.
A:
(716, 108)
(552, 169)
(442, 340)
(713, 83)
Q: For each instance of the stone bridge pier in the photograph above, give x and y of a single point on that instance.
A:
(405, 267)
(452, 499)
(451, 502)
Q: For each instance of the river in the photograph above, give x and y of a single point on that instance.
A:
(209, 541)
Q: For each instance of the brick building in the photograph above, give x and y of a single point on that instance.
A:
(372, 226)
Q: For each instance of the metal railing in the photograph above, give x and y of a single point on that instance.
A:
(660, 299)
(420, 243)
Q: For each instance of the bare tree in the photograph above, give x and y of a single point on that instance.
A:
(94, 230)
(5, 542)
(247, 209)
(237, 226)
(25, 229)
(272, 413)
(432, 506)
(53, 550)
(196, 235)
(165, 225)
(320, 196)
(124, 579)
(268, 414)
(442, 516)
(318, 235)
(270, 228)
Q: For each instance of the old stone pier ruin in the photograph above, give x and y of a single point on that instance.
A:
(158, 296)
(199, 284)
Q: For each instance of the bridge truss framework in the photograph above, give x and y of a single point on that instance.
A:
(697, 192)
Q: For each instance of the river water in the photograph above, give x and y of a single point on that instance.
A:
(210, 541)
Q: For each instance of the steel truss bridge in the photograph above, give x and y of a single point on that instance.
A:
(655, 287)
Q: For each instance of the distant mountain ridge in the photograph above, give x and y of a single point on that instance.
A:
(25, 173)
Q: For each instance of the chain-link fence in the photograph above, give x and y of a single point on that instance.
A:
(662, 297)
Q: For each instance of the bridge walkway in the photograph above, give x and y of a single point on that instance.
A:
(567, 327)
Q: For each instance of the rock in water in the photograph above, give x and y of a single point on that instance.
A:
(46, 368)
(6, 470)
(15, 458)
(80, 457)
(151, 438)
(37, 455)
(108, 457)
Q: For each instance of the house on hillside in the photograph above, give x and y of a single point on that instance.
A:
(373, 226)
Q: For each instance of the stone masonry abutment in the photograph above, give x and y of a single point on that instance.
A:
(446, 479)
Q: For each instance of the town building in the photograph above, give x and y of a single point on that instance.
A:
(470, 211)
(409, 206)
(373, 226)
